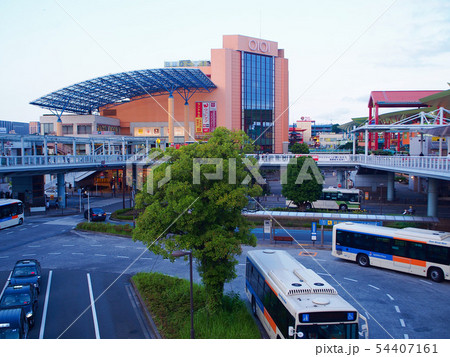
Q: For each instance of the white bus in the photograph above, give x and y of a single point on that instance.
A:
(335, 199)
(294, 302)
(11, 213)
(411, 250)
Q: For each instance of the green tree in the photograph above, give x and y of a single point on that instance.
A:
(298, 148)
(303, 182)
(203, 215)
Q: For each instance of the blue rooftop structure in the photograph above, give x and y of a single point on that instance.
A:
(114, 89)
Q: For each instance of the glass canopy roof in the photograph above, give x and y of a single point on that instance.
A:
(114, 89)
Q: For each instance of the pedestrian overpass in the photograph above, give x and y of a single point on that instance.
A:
(117, 152)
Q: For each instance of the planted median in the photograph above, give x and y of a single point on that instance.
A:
(168, 300)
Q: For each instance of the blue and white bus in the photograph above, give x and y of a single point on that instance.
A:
(294, 302)
(11, 213)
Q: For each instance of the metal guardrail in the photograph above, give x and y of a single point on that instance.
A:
(422, 164)
(39, 160)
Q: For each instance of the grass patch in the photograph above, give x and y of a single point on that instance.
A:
(168, 299)
(126, 214)
(120, 229)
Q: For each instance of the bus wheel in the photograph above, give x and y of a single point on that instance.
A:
(253, 305)
(363, 260)
(436, 274)
(20, 221)
(343, 208)
(308, 205)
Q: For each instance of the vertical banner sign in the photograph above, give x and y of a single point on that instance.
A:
(314, 231)
(267, 225)
(205, 108)
(212, 116)
(198, 118)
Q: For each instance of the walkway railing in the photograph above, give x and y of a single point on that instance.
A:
(39, 160)
(433, 163)
(424, 164)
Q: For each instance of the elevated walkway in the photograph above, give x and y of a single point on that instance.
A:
(342, 217)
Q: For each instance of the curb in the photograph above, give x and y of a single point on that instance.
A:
(143, 307)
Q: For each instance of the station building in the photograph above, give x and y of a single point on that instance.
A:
(244, 86)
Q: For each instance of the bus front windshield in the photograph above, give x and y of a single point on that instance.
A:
(329, 331)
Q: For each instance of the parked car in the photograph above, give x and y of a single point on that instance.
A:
(96, 214)
(21, 296)
(27, 271)
(13, 324)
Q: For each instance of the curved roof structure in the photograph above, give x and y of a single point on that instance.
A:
(405, 98)
(90, 95)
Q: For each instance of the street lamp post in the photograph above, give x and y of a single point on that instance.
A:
(181, 253)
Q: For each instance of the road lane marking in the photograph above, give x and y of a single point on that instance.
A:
(96, 245)
(68, 245)
(100, 255)
(34, 246)
(402, 322)
(406, 336)
(77, 253)
(374, 287)
(35, 226)
(326, 274)
(5, 256)
(54, 253)
(27, 255)
(122, 256)
(94, 312)
(44, 312)
(426, 282)
(10, 233)
(397, 309)
(390, 297)
(146, 258)
(23, 229)
(351, 279)
(119, 246)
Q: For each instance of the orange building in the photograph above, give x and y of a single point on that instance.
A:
(251, 79)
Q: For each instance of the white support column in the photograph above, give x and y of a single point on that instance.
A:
(366, 142)
(22, 150)
(45, 149)
(354, 140)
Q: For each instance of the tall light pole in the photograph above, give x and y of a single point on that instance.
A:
(182, 253)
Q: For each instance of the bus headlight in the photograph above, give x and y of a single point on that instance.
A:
(29, 314)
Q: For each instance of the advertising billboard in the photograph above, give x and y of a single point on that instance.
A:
(205, 117)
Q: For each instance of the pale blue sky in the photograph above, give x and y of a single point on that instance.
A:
(338, 51)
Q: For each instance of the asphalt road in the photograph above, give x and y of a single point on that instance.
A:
(398, 305)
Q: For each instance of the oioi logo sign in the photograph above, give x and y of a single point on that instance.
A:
(261, 46)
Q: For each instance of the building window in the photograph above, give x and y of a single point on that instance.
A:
(67, 129)
(258, 99)
(84, 129)
(47, 128)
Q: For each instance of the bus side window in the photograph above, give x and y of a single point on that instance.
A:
(383, 245)
(399, 248)
(327, 196)
(417, 251)
(438, 254)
